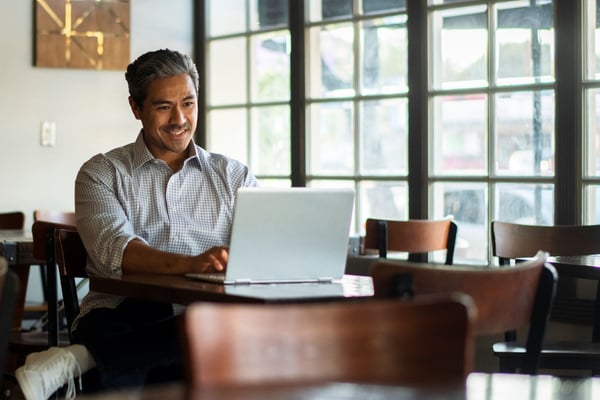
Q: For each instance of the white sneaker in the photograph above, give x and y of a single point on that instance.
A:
(46, 372)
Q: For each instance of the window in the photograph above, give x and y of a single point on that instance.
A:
(477, 121)
(492, 116)
(357, 103)
(248, 85)
(591, 107)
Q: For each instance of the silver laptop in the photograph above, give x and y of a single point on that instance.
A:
(287, 235)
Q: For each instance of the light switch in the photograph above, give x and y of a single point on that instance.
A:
(48, 134)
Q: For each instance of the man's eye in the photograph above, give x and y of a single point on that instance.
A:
(163, 108)
(188, 104)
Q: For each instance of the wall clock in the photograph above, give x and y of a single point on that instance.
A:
(91, 34)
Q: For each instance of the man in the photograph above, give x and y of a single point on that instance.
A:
(161, 204)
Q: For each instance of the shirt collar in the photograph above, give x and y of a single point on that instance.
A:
(141, 154)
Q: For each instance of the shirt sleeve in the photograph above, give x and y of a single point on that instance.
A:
(101, 219)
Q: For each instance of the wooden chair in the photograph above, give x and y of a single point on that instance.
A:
(416, 237)
(15, 220)
(21, 342)
(506, 298)
(9, 288)
(511, 241)
(12, 220)
(44, 248)
(71, 258)
(427, 342)
(57, 217)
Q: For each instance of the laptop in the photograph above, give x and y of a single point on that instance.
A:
(287, 235)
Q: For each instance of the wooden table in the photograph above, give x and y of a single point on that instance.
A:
(480, 386)
(183, 290)
(17, 247)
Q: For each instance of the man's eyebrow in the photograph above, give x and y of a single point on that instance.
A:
(162, 101)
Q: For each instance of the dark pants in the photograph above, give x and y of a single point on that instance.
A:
(134, 344)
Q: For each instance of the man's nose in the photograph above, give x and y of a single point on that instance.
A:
(177, 115)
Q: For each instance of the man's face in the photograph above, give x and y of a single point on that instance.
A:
(169, 116)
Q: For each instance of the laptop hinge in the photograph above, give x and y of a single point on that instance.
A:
(243, 281)
(325, 280)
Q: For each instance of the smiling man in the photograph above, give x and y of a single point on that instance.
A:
(162, 205)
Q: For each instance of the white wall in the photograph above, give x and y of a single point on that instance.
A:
(89, 107)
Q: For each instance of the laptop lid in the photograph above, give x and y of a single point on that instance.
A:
(289, 235)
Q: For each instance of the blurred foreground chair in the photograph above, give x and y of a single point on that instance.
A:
(416, 237)
(506, 298)
(427, 342)
(511, 241)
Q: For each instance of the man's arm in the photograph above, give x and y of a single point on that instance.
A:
(139, 257)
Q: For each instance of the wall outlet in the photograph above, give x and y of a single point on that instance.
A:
(48, 134)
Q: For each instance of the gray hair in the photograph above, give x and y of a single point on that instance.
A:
(157, 64)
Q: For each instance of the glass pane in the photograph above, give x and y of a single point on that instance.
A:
(592, 204)
(459, 47)
(467, 204)
(460, 135)
(524, 204)
(525, 43)
(227, 133)
(225, 17)
(383, 45)
(330, 139)
(373, 6)
(319, 10)
(268, 13)
(384, 139)
(271, 140)
(591, 39)
(592, 132)
(448, 1)
(227, 72)
(331, 71)
(271, 67)
(525, 133)
(386, 200)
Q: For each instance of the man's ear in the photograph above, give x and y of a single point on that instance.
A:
(137, 112)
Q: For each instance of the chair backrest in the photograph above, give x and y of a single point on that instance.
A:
(506, 298)
(59, 217)
(9, 287)
(12, 220)
(44, 248)
(425, 342)
(416, 237)
(511, 240)
(71, 258)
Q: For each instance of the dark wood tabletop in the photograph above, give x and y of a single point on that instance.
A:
(480, 386)
(585, 266)
(17, 247)
(184, 290)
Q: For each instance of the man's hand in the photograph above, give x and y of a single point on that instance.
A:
(215, 259)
